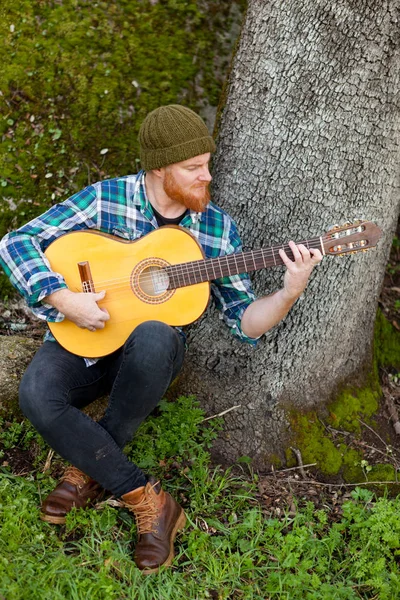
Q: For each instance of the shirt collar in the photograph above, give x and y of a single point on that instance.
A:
(140, 198)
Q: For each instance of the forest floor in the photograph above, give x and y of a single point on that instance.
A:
(287, 534)
(278, 489)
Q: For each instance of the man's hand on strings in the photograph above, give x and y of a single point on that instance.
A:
(298, 270)
(80, 307)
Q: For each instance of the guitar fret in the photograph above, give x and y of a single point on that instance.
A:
(219, 264)
(273, 256)
(180, 280)
(254, 262)
(236, 264)
(263, 258)
(212, 265)
(187, 273)
(244, 264)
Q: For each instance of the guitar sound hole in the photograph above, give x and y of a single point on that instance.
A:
(150, 281)
(153, 281)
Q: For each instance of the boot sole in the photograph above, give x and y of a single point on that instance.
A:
(180, 524)
(61, 520)
(53, 520)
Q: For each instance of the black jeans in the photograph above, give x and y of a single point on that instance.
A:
(57, 384)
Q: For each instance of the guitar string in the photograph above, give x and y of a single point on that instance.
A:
(201, 266)
(187, 270)
(175, 281)
(197, 265)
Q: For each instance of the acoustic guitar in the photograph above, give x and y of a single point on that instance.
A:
(162, 276)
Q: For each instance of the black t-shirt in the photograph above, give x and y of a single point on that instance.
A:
(164, 221)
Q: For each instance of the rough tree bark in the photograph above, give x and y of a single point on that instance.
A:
(309, 136)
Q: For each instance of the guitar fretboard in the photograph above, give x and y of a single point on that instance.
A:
(198, 271)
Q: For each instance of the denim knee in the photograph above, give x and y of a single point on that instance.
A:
(153, 347)
(33, 401)
(154, 336)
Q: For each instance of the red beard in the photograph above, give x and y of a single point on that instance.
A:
(196, 201)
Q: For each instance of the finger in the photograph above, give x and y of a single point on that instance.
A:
(99, 295)
(285, 258)
(105, 315)
(305, 252)
(316, 256)
(295, 251)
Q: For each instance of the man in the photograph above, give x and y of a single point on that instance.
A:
(175, 148)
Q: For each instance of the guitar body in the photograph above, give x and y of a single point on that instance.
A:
(136, 288)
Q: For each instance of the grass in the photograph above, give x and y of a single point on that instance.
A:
(230, 548)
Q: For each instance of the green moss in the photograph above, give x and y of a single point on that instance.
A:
(77, 78)
(290, 458)
(382, 472)
(355, 472)
(352, 471)
(344, 414)
(275, 461)
(386, 343)
(351, 406)
(314, 445)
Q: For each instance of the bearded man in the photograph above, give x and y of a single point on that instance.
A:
(172, 188)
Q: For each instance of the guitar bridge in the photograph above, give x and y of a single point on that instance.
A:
(86, 277)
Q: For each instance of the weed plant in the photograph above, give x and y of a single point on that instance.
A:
(230, 549)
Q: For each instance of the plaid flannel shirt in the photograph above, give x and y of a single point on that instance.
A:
(119, 207)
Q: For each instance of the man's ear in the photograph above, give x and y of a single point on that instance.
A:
(159, 172)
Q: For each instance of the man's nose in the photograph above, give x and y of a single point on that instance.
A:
(205, 174)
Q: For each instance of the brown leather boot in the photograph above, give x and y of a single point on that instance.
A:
(158, 518)
(75, 489)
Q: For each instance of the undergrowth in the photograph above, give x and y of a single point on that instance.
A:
(231, 549)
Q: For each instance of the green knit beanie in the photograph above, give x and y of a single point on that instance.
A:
(170, 134)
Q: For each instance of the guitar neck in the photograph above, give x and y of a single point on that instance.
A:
(190, 273)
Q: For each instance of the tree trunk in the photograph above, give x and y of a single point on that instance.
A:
(309, 137)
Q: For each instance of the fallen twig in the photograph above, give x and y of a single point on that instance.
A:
(297, 453)
(222, 413)
(109, 502)
(47, 464)
(291, 469)
(394, 415)
(373, 431)
(315, 482)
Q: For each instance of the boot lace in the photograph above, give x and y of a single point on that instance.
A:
(146, 514)
(74, 476)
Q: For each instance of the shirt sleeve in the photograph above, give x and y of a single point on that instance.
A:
(233, 294)
(22, 251)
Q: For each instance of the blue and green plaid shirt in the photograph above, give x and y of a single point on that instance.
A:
(119, 207)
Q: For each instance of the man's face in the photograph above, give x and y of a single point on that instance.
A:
(187, 182)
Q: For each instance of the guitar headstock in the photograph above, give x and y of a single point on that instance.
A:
(351, 237)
